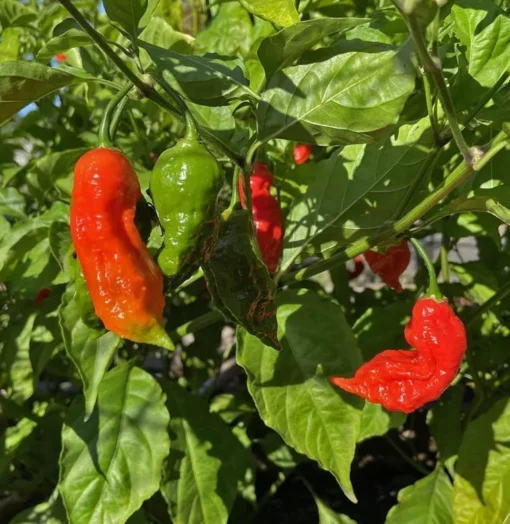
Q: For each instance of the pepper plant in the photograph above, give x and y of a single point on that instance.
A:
(382, 129)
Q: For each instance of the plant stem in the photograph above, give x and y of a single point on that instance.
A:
(489, 304)
(432, 68)
(247, 171)
(433, 289)
(418, 467)
(430, 108)
(145, 88)
(461, 172)
(485, 99)
(116, 117)
(206, 320)
(445, 266)
(235, 188)
(104, 126)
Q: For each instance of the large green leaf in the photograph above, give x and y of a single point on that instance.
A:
(279, 12)
(91, 350)
(428, 500)
(485, 31)
(355, 191)
(207, 79)
(24, 82)
(328, 516)
(376, 421)
(291, 388)
(10, 44)
(110, 464)
(346, 94)
(482, 484)
(280, 50)
(205, 464)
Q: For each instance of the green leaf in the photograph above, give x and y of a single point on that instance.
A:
(12, 203)
(127, 13)
(445, 422)
(205, 464)
(328, 516)
(481, 490)
(279, 12)
(346, 94)
(428, 500)
(24, 82)
(91, 350)
(50, 512)
(12, 440)
(15, 13)
(59, 44)
(285, 47)
(161, 34)
(110, 464)
(376, 421)
(291, 388)
(355, 191)
(15, 354)
(207, 79)
(10, 44)
(485, 31)
(495, 201)
(62, 248)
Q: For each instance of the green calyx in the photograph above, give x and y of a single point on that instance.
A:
(433, 289)
(184, 185)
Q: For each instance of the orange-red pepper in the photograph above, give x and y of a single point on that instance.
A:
(267, 215)
(125, 284)
(405, 380)
(391, 264)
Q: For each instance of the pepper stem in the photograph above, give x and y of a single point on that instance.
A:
(235, 188)
(433, 290)
(104, 127)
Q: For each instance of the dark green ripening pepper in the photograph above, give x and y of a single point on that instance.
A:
(84, 301)
(184, 186)
(238, 280)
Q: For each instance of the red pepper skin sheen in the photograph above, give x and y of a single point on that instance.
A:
(125, 284)
(405, 380)
(390, 265)
(267, 215)
(302, 153)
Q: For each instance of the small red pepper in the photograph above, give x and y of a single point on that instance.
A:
(61, 57)
(358, 268)
(267, 215)
(405, 380)
(42, 295)
(391, 264)
(302, 153)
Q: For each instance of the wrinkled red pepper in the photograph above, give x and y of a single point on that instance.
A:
(391, 264)
(42, 295)
(405, 380)
(302, 153)
(267, 215)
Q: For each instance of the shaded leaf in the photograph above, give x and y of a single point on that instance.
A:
(59, 44)
(428, 500)
(24, 82)
(110, 464)
(291, 388)
(91, 350)
(206, 461)
(280, 50)
(346, 94)
(12, 203)
(481, 490)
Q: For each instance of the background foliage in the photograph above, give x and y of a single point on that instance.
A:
(407, 106)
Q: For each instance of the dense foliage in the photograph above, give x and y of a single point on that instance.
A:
(406, 105)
